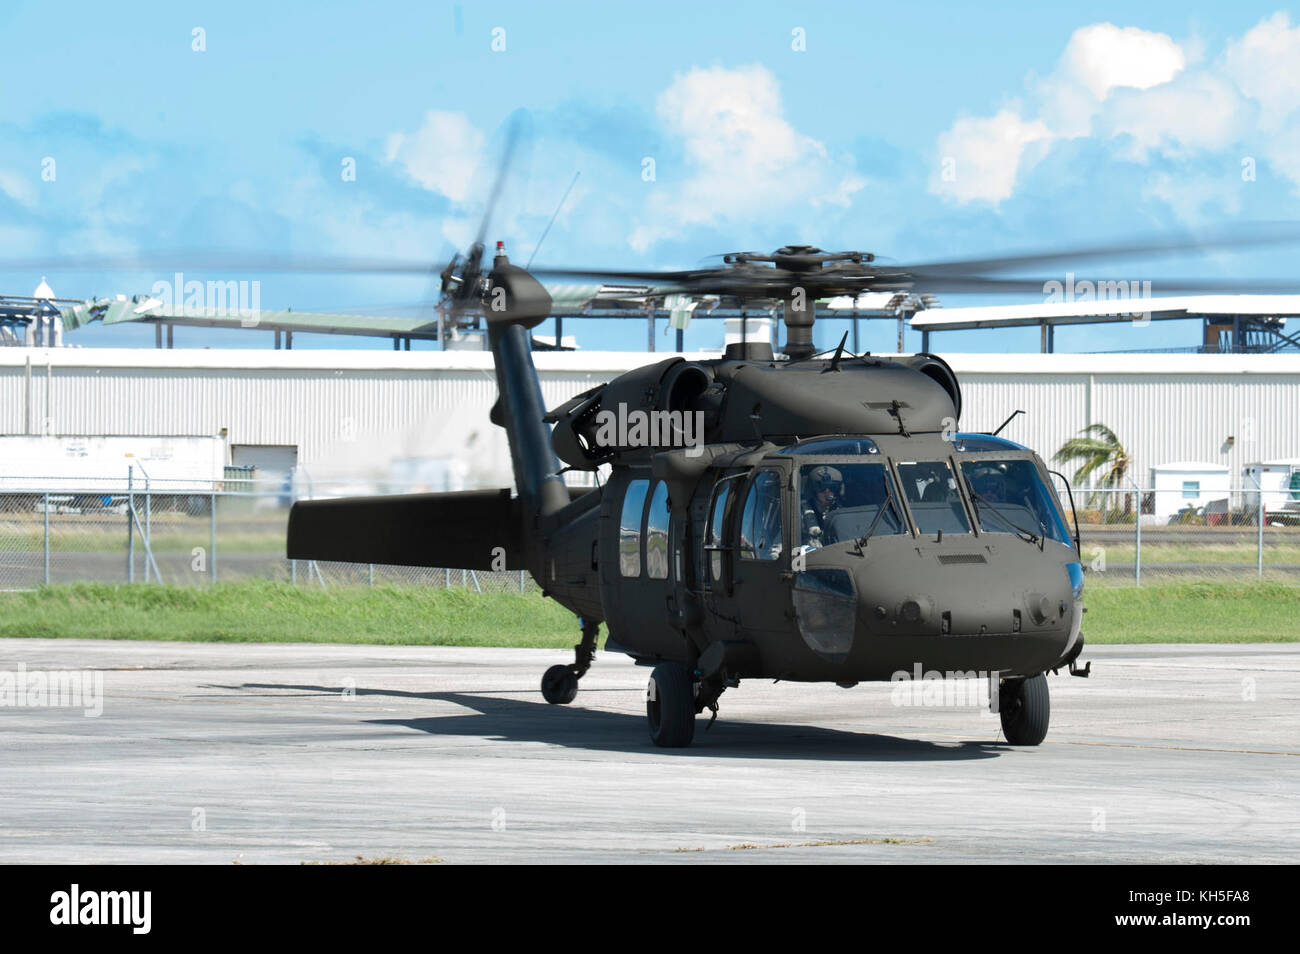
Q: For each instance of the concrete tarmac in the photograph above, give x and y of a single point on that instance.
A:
(213, 753)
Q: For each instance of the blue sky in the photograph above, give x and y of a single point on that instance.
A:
(1062, 124)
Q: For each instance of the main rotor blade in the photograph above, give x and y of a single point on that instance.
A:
(1226, 239)
(1154, 287)
(629, 273)
(768, 282)
(246, 262)
(514, 131)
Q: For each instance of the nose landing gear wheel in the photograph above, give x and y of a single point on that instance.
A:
(1025, 709)
(670, 706)
(559, 685)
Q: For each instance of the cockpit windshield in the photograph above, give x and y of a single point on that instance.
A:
(933, 496)
(1010, 496)
(842, 501)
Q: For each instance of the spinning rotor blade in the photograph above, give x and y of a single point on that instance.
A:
(218, 261)
(741, 275)
(1226, 239)
(515, 128)
(980, 284)
(462, 279)
(745, 275)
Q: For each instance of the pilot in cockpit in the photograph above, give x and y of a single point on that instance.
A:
(823, 493)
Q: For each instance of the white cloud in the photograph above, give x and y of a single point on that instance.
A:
(742, 157)
(1189, 196)
(19, 189)
(1140, 93)
(1264, 65)
(983, 156)
(1282, 151)
(1198, 111)
(988, 154)
(1103, 56)
(441, 155)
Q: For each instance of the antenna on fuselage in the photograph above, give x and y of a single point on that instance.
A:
(1005, 423)
(554, 215)
(839, 353)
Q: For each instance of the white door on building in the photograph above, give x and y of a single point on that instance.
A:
(274, 465)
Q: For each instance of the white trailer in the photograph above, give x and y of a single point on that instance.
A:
(89, 465)
(1279, 480)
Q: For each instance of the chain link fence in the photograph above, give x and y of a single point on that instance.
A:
(184, 533)
(1140, 535)
(120, 531)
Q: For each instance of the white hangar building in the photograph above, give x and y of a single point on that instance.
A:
(419, 418)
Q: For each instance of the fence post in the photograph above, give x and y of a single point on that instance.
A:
(148, 524)
(521, 581)
(212, 536)
(1259, 519)
(372, 574)
(47, 539)
(1137, 523)
(130, 524)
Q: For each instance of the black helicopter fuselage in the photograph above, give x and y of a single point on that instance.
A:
(705, 554)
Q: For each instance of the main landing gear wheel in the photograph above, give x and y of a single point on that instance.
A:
(560, 683)
(670, 705)
(1025, 709)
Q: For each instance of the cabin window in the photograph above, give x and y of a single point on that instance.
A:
(713, 542)
(656, 534)
(933, 497)
(629, 528)
(761, 535)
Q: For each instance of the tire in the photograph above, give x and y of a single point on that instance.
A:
(1026, 710)
(670, 706)
(559, 685)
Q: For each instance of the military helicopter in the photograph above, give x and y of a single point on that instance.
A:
(810, 517)
(800, 518)
(803, 516)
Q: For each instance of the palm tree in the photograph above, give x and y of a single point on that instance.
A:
(1099, 450)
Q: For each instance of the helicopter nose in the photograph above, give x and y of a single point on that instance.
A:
(966, 614)
(963, 598)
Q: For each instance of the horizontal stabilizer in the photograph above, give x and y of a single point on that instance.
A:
(468, 530)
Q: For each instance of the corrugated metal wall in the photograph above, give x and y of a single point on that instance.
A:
(1161, 417)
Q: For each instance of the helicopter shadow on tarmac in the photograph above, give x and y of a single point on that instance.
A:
(506, 719)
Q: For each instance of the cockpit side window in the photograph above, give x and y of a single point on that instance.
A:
(761, 533)
(933, 497)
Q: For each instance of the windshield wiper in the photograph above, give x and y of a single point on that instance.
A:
(1026, 535)
(889, 500)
